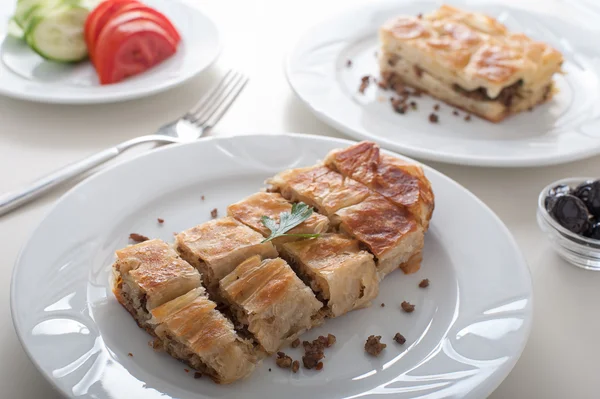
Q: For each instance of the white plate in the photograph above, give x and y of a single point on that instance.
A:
(26, 75)
(566, 129)
(467, 331)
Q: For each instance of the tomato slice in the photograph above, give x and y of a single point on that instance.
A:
(165, 23)
(98, 18)
(131, 48)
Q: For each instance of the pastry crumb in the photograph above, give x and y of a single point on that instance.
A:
(160, 220)
(295, 366)
(296, 343)
(407, 307)
(138, 237)
(433, 118)
(130, 354)
(214, 213)
(399, 338)
(373, 346)
(424, 283)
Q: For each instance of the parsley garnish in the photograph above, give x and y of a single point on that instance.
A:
(287, 221)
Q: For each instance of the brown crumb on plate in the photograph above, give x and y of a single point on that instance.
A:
(364, 83)
(433, 118)
(407, 307)
(160, 220)
(296, 343)
(202, 198)
(319, 366)
(399, 338)
(455, 113)
(186, 370)
(373, 346)
(424, 283)
(436, 107)
(197, 375)
(283, 360)
(383, 305)
(349, 63)
(214, 213)
(138, 237)
(468, 118)
(295, 366)
(130, 354)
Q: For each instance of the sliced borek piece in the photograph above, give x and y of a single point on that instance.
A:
(401, 182)
(320, 187)
(389, 232)
(190, 329)
(250, 210)
(269, 300)
(149, 274)
(342, 275)
(218, 246)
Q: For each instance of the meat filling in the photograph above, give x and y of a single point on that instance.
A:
(505, 97)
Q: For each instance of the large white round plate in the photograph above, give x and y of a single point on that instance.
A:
(467, 331)
(26, 75)
(565, 129)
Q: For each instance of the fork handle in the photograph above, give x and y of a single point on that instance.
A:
(13, 200)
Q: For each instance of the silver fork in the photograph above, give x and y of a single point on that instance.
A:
(191, 126)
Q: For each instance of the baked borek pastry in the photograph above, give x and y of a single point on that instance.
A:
(250, 210)
(216, 247)
(391, 233)
(147, 275)
(468, 60)
(190, 329)
(401, 182)
(320, 187)
(342, 275)
(268, 299)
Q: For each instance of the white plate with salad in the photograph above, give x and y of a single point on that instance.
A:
(88, 51)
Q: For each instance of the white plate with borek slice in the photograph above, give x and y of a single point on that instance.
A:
(566, 128)
(465, 335)
(27, 76)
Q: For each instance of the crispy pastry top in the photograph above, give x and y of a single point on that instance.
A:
(477, 49)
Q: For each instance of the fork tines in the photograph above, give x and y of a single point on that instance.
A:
(209, 110)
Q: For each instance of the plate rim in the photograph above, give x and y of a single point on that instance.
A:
(115, 98)
(398, 147)
(502, 372)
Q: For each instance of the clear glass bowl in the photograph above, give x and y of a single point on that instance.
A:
(577, 250)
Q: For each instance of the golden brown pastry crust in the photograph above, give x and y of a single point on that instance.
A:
(474, 48)
(468, 60)
(192, 330)
(250, 210)
(156, 270)
(402, 183)
(390, 233)
(343, 276)
(319, 187)
(271, 301)
(218, 246)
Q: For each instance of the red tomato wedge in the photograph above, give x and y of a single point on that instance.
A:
(131, 48)
(98, 18)
(164, 21)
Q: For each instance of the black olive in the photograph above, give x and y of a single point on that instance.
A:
(571, 213)
(589, 193)
(561, 189)
(556, 191)
(593, 231)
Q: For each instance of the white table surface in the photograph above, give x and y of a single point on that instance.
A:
(562, 357)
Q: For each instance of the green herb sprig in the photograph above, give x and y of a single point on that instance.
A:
(287, 221)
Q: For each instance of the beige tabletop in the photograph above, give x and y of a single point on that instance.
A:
(562, 357)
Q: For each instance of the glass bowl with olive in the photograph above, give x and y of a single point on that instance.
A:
(569, 213)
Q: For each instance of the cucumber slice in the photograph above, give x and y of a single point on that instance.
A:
(24, 9)
(58, 35)
(14, 29)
